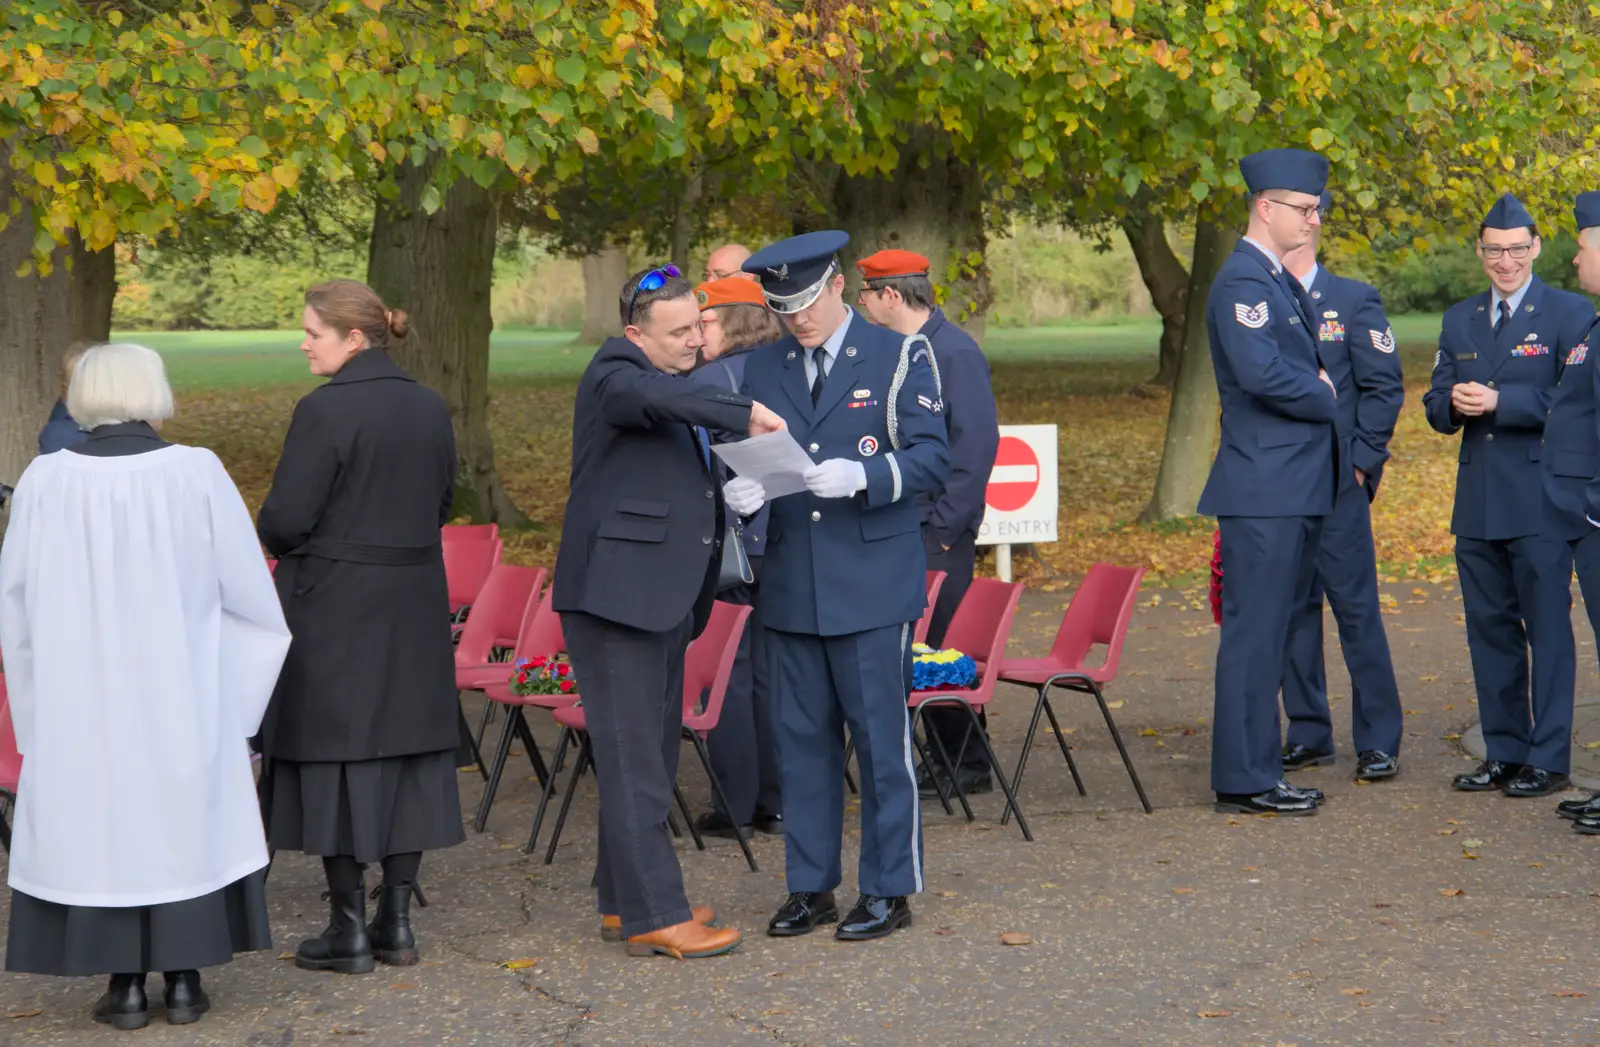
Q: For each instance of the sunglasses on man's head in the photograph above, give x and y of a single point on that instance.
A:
(651, 281)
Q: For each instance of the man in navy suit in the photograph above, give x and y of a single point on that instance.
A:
(1501, 355)
(1357, 347)
(843, 582)
(898, 294)
(1273, 479)
(1572, 461)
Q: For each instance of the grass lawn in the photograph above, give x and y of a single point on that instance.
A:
(238, 389)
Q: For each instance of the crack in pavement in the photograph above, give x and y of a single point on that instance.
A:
(758, 1025)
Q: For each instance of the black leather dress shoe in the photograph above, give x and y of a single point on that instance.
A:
(716, 823)
(185, 1000)
(1297, 758)
(874, 917)
(973, 783)
(802, 913)
(1274, 801)
(1314, 795)
(1534, 781)
(768, 823)
(1373, 764)
(124, 1005)
(1490, 775)
(1588, 807)
(1587, 826)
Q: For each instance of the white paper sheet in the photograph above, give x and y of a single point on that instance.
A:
(773, 460)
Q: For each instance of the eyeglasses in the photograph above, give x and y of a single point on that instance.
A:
(1495, 253)
(652, 281)
(1306, 210)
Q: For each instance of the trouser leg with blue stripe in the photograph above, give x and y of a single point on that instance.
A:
(818, 684)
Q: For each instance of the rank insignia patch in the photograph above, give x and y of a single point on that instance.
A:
(931, 405)
(1331, 331)
(1383, 341)
(1253, 317)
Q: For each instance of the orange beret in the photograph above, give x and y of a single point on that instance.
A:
(887, 264)
(730, 290)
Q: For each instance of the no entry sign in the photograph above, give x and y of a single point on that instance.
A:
(1023, 492)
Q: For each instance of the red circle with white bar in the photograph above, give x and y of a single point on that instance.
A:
(1015, 479)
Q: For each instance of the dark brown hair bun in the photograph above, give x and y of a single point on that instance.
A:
(399, 323)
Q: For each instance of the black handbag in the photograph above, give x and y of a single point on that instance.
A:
(735, 569)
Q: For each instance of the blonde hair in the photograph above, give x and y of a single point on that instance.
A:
(69, 362)
(119, 382)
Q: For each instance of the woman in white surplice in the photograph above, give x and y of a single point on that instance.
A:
(142, 638)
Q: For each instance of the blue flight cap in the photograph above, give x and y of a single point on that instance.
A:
(1508, 213)
(1587, 210)
(1296, 170)
(1327, 202)
(793, 272)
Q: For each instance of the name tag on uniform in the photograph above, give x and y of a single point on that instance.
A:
(1294, 319)
(1531, 350)
(1466, 356)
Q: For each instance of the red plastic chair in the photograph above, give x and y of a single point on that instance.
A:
(510, 594)
(1098, 614)
(708, 666)
(935, 583)
(466, 568)
(10, 764)
(979, 629)
(539, 637)
(470, 532)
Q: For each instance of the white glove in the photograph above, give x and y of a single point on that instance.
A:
(836, 478)
(744, 495)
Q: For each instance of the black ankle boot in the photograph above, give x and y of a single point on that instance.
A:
(186, 1001)
(390, 929)
(344, 946)
(124, 1005)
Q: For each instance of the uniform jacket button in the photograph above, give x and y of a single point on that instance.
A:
(814, 448)
(1490, 437)
(815, 516)
(710, 495)
(705, 539)
(1491, 385)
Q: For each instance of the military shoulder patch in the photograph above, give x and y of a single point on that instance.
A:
(1438, 358)
(1253, 317)
(1383, 341)
(929, 404)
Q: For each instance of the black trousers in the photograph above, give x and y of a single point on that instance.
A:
(632, 684)
(957, 562)
(744, 751)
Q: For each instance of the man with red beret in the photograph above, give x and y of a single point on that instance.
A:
(898, 294)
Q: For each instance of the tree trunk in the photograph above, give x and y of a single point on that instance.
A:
(603, 276)
(1195, 419)
(439, 268)
(683, 221)
(1164, 277)
(931, 204)
(41, 316)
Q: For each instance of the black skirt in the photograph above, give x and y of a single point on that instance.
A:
(367, 810)
(51, 938)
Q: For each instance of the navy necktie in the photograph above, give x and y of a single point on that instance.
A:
(1505, 314)
(819, 357)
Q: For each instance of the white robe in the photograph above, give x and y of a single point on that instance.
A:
(142, 638)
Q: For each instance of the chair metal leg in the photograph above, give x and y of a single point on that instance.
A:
(944, 761)
(1066, 750)
(927, 761)
(1027, 747)
(584, 755)
(683, 805)
(502, 752)
(999, 774)
(1116, 736)
(722, 798)
(484, 721)
(849, 751)
(563, 741)
(529, 745)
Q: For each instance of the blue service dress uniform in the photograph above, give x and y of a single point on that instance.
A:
(1271, 484)
(952, 514)
(1569, 463)
(841, 589)
(1356, 346)
(1516, 583)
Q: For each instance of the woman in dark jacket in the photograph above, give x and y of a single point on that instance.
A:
(734, 319)
(360, 736)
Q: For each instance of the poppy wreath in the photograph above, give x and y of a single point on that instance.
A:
(1216, 577)
(940, 670)
(540, 675)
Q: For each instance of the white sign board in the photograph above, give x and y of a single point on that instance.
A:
(1024, 490)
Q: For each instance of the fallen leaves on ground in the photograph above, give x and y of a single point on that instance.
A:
(35, 1012)
(1452, 892)
(1016, 938)
(1213, 1014)
(1352, 992)
(520, 965)
(1572, 994)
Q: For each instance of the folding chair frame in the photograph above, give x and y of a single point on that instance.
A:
(974, 729)
(1083, 684)
(516, 727)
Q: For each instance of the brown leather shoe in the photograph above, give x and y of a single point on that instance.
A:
(611, 926)
(685, 941)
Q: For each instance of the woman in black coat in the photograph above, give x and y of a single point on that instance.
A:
(360, 736)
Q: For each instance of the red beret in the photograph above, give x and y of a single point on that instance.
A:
(730, 290)
(887, 264)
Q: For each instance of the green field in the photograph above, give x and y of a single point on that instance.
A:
(204, 360)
